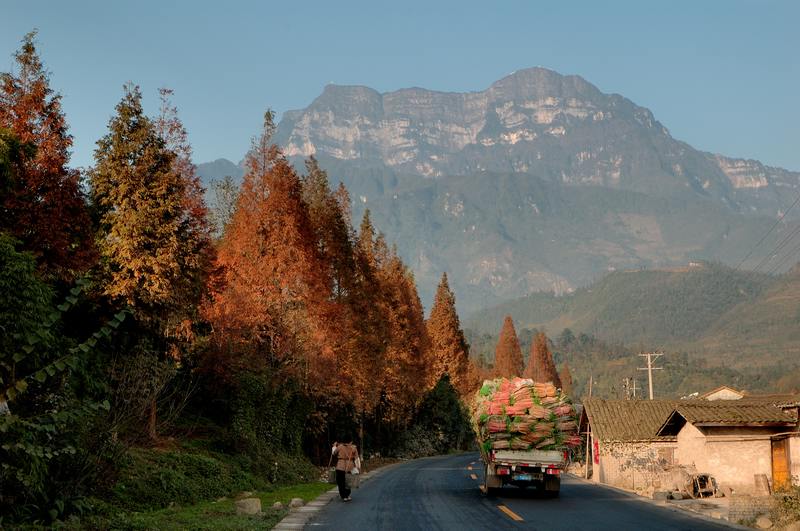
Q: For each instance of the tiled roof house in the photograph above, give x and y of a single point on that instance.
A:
(657, 444)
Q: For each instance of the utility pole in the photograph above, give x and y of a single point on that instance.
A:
(651, 357)
(629, 386)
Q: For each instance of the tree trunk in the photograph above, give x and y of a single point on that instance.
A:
(151, 421)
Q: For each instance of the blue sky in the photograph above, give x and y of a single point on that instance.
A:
(721, 75)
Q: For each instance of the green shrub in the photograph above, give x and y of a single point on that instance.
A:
(787, 506)
(441, 424)
(155, 479)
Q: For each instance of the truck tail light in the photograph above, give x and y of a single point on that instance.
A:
(503, 471)
(553, 471)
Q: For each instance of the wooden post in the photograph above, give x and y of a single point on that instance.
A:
(588, 457)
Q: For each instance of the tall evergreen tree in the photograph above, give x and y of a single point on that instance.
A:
(541, 367)
(449, 352)
(407, 341)
(331, 229)
(43, 207)
(152, 235)
(195, 253)
(141, 204)
(508, 360)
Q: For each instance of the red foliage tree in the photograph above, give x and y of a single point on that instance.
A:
(508, 360)
(449, 351)
(541, 367)
(404, 358)
(269, 297)
(44, 208)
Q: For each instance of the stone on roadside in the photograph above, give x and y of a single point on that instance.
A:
(248, 506)
(763, 522)
(277, 506)
(661, 495)
(296, 502)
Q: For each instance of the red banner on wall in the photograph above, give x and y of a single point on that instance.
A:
(596, 452)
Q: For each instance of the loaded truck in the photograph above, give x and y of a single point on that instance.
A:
(540, 469)
(526, 432)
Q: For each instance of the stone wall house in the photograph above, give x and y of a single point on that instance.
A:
(648, 445)
(625, 449)
(733, 441)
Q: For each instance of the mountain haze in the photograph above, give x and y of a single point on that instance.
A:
(540, 182)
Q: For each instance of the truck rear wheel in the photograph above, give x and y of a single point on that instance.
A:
(552, 486)
(487, 490)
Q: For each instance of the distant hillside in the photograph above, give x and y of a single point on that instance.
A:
(704, 309)
(717, 326)
(768, 326)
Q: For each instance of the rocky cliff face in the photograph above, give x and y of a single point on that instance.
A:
(534, 121)
(540, 182)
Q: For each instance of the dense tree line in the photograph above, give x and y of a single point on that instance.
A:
(123, 311)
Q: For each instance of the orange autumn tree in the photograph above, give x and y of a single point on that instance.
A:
(541, 367)
(269, 297)
(508, 360)
(449, 352)
(43, 207)
(354, 334)
(331, 228)
(407, 342)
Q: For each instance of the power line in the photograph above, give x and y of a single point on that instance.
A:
(789, 256)
(774, 253)
(780, 218)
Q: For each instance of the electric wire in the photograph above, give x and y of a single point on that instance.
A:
(777, 222)
(774, 253)
(786, 258)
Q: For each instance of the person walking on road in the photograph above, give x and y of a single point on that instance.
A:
(347, 460)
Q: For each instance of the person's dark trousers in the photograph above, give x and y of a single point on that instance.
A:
(341, 481)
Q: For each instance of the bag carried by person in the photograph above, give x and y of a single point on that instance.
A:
(353, 479)
(331, 471)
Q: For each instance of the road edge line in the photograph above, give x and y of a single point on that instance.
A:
(511, 514)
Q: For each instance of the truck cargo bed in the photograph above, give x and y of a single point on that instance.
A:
(529, 457)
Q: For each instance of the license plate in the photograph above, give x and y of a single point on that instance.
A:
(523, 477)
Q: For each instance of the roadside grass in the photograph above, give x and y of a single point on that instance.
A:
(193, 485)
(219, 514)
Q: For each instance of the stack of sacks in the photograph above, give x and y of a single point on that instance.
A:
(521, 414)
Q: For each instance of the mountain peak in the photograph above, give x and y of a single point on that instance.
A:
(543, 82)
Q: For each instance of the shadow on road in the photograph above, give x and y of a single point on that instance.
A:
(518, 493)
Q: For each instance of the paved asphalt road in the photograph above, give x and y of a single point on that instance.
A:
(440, 493)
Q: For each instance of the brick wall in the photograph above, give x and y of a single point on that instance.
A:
(644, 466)
(748, 507)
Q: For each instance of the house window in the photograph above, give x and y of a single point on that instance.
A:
(666, 456)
